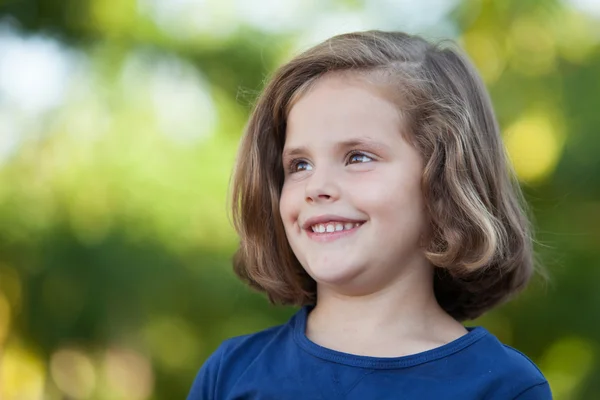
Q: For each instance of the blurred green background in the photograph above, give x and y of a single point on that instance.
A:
(119, 121)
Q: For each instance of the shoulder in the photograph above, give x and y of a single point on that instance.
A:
(518, 361)
(229, 361)
(533, 383)
(516, 375)
(249, 346)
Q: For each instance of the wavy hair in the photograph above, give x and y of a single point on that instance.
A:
(480, 242)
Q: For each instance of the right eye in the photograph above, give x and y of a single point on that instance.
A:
(299, 166)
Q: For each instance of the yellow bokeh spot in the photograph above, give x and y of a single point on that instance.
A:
(535, 145)
(487, 54)
(73, 372)
(22, 374)
(128, 374)
(566, 364)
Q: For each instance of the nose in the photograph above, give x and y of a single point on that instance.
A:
(322, 186)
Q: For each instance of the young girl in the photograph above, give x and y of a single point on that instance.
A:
(373, 190)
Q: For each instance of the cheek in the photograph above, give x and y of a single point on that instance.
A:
(396, 199)
(288, 209)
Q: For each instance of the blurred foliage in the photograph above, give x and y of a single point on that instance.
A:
(115, 244)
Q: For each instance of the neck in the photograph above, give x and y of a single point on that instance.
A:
(398, 319)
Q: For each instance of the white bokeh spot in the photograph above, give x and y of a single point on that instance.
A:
(34, 72)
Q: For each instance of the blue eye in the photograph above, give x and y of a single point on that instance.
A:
(299, 166)
(357, 158)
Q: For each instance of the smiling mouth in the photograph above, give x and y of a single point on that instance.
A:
(333, 226)
(332, 231)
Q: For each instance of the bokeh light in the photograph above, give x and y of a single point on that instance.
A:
(535, 146)
(22, 373)
(128, 374)
(73, 373)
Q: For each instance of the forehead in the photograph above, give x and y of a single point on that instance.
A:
(342, 105)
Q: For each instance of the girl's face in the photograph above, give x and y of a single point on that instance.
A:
(351, 202)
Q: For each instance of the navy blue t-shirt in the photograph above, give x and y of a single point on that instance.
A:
(281, 363)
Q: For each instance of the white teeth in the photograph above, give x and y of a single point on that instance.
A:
(334, 227)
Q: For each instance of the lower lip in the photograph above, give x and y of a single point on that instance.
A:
(331, 236)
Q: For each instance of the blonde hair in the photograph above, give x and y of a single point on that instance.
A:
(480, 242)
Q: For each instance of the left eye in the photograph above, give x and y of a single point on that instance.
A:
(358, 158)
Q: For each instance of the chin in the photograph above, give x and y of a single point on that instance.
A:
(335, 276)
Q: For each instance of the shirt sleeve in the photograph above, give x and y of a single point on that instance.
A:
(540, 391)
(205, 384)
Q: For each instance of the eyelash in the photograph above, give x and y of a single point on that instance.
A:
(294, 163)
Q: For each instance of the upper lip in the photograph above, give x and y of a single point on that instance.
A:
(321, 219)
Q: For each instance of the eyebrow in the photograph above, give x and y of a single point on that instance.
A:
(350, 143)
